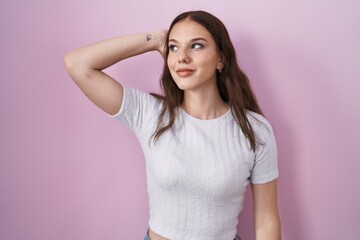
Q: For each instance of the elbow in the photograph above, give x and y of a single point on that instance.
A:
(69, 62)
(75, 67)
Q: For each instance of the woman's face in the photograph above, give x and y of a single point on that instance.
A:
(193, 56)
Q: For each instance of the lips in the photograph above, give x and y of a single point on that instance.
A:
(185, 72)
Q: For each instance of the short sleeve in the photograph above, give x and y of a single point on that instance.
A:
(265, 167)
(136, 109)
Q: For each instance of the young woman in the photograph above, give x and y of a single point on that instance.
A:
(204, 140)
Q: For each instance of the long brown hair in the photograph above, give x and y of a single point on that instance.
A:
(233, 84)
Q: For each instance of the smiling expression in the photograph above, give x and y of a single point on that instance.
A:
(193, 56)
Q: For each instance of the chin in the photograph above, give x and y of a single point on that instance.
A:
(184, 86)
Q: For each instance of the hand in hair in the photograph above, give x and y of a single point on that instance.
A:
(162, 35)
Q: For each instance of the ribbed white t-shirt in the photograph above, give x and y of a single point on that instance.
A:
(198, 170)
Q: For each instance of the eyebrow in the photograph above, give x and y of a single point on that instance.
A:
(192, 40)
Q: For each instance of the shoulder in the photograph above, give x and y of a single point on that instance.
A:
(138, 106)
(137, 96)
(258, 121)
(261, 127)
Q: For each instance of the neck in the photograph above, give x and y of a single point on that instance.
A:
(205, 103)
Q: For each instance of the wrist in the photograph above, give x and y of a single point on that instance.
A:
(157, 40)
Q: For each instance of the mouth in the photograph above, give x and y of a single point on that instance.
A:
(185, 72)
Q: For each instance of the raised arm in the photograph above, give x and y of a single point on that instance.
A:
(85, 66)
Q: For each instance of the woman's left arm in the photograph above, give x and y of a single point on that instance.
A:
(266, 213)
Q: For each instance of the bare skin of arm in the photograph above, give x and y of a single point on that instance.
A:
(85, 66)
(266, 213)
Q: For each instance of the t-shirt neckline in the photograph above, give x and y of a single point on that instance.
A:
(219, 119)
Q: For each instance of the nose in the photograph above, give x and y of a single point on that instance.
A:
(184, 57)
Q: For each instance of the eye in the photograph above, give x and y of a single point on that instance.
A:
(196, 46)
(173, 48)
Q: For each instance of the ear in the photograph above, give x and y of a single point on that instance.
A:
(220, 64)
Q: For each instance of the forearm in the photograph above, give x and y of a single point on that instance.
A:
(268, 228)
(103, 54)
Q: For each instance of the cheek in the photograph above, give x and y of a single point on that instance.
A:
(209, 59)
(170, 61)
(209, 64)
(171, 64)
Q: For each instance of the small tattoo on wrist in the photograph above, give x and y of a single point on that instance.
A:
(148, 37)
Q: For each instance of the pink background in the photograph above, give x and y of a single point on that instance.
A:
(68, 171)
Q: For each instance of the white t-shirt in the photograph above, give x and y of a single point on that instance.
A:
(198, 170)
